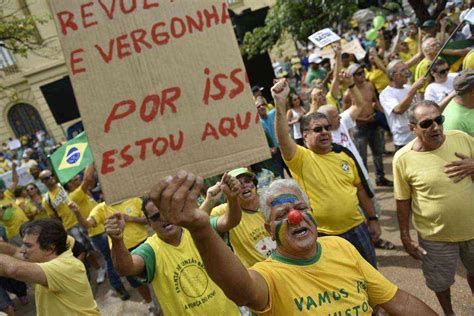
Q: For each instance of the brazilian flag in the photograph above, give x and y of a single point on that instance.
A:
(71, 158)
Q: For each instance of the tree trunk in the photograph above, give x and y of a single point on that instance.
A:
(421, 9)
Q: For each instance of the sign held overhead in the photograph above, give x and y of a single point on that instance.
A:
(324, 37)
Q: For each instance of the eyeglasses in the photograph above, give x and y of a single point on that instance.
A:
(45, 178)
(155, 217)
(443, 72)
(359, 73)
(30, 189)
(319, 129)
(427, 123)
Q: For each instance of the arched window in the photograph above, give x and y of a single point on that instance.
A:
(24, 119)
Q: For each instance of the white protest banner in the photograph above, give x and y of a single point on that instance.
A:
(24, 177)
(324, 37)
(352, 47)
(14, 144)
(470, 16)
(161, 86)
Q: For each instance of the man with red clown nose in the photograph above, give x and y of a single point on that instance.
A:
(304, 275)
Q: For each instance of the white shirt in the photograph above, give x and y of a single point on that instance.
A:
(389, 98)
(438, 91)
(342, 137)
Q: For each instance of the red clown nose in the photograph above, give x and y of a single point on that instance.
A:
(295, 217)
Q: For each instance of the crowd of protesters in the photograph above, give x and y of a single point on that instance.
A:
(294, 233)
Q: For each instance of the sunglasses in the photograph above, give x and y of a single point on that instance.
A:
(319, 129)
(443, 72)
(427, 123)
(155, 217)
(46, 178)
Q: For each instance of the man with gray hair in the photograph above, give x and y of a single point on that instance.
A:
(440, 198)
(460, 111)
(397, 98)
(305, 274)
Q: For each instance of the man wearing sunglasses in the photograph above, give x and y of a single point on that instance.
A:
(331, 179)
(434, 176)
(170, 262)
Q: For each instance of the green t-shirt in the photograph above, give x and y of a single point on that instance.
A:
(459, 118)
(314, 74)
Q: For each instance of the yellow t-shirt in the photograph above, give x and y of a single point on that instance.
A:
(30, 208)
(134, 233)
(18, 218)
(68, 291)
(250, 241)
(420, 71)
(442, 210)
(181, 282)
(59, 199)
(378, 78)
(330, 181)
(86, 204)
(468, 62)
(406, 57)
(412, 45)
(337, 281)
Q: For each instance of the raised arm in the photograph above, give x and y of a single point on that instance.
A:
(23, 271)
(280, 93)
(444, 103)
(84, 222)
(406, 102)
(231, 187)
(337, 69)
(404, 303)
(176, 199)
(213, 195)
(15, 179)
(124, 262)
(88, 182)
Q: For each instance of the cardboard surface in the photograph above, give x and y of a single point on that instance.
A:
(324, 37)
(24, 177)
(161, 86)
(352, 47)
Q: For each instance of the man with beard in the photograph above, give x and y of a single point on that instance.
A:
(249, 240)
(305, 274)
(440, 195)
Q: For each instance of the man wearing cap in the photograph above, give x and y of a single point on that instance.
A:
(305, 275)
(367, 131)
(397, 98)
(250, 241)
(460, 111)
(429, 28)
(433, 177)
(314, 71)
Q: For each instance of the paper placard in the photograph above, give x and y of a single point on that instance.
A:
(14, 144)
(24, 177)
(324, 37)
(470, 16)
(353, 47)
(161, 86)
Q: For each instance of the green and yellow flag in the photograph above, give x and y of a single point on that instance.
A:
(71, 158)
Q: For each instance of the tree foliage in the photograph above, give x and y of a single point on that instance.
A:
(299, 18)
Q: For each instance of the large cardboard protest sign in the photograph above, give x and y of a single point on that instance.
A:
(161, 86)
(353, 47)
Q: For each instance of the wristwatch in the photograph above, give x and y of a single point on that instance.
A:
(373, 218)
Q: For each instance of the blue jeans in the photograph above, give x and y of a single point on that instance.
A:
(372, 135)
(101, 243)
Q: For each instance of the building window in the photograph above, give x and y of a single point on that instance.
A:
(24, 119)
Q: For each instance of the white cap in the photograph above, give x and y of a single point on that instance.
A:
(313, 58)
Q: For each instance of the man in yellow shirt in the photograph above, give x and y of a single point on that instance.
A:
(61, 284)
(79, 194)
(170, 262)
(11, 215)
(250, 241)
(330, 178)
(441, 198)
(306, 274)
(135, 232)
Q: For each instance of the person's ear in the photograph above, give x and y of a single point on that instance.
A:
(268, 228)
(412, 127)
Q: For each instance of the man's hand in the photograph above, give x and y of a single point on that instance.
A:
(231, 186)
(214, 193)
(176, 198)
(346, 78)
(413, 249)
(115, 225)
(459, 169)
(280, 92)
(374, 230)
(73, 206)
(419, 83)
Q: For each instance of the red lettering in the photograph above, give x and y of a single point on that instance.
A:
(74, 60)
(219, 86)
(126, 156)
(158, 152)
(123, 48)
(143, 144)
(115, 115)
(147, 5)
(138, 37)
(193, 24)
(238, 83)
(159, 38)
(66, 20)
(155, 101)
(168, 97)
(129, 10)
(174, 25)
(257, 119)
(207, 87)
(246, 124)
(108, 12)
(106, 56)
(225, 14)
(177, 146)
(209, 130)
(227, 130)
(86, 15)
(211, 16)
(108, 161)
